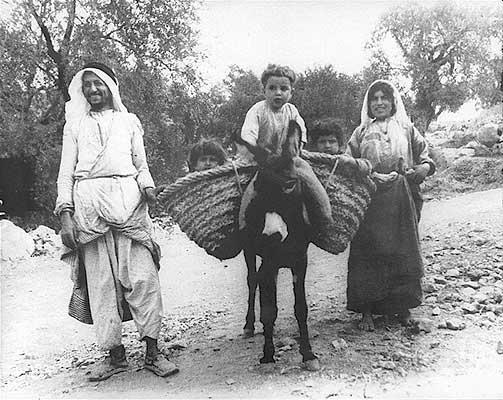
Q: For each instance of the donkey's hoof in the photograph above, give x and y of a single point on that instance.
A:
(312, 365)
(248, 333)
(267, 360)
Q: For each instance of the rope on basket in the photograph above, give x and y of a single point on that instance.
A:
(332, 172)
(236, 173)
(195, 177)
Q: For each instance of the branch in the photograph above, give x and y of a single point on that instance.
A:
(160, 61)
(69, 28)
(109, 34)
(400, 44)
(45, 32)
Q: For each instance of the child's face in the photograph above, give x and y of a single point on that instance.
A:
(327, 144)
(278, 91)
(206, 162)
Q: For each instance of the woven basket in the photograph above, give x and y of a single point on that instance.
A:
(206, 204)
(349, 196)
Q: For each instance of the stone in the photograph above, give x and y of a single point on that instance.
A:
(286, 341)
(469, 308)
(230, 381)
(473, 285)
(424, 325)
(15, 243)
(429, 288)
(481, 298)
(455, 324)
(468, 291)
(474, 275)
(452, 273)
(435, 311)
(488, 135)
(440, 280)
(460, 138)
(389, 365)
(339, 344)
(177, 345)
(498, 310)
(499, 347)
(490, 316)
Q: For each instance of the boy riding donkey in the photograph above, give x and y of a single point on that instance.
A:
(264, 132)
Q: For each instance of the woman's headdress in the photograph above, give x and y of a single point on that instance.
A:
(400, 114)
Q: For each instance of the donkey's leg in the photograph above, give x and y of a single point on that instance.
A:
(299, 275)
(267, 278)
(250, 258)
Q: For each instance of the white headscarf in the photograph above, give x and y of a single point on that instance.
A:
(400, 115)
(78, 105)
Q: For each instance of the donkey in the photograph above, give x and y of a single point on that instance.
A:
(276, 229)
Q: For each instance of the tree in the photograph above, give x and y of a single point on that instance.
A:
(323, 92)
(443, 50)
(241, 90)
(149, 43)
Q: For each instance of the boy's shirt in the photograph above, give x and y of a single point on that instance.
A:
(267, 129)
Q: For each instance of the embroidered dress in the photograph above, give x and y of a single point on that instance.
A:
(385, 264)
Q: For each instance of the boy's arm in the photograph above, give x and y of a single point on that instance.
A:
(250, 128)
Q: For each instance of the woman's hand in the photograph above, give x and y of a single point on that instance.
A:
(67, 230)
(384, 178)
(418, 173)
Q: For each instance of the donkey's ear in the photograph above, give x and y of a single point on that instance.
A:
(292, 145)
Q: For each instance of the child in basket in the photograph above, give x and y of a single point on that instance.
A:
(326, 136)
(264, 132)
(206, 154)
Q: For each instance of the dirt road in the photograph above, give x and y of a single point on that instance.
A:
(45, 353)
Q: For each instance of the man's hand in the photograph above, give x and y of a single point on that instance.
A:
(67, 230)
(418, 173)
(151, 194)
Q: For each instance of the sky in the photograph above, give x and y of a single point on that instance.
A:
(299, 33)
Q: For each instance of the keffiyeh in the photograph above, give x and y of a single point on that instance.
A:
(78, 105)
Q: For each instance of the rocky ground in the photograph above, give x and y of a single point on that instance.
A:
(455, 350)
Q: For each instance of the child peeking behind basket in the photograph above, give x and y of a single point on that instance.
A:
(265, 130)
(206, 154)
(326, 136)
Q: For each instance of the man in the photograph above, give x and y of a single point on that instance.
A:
(104, 184)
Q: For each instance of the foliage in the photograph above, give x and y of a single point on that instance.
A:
(323, 92)
(444, 50)
(243, 89)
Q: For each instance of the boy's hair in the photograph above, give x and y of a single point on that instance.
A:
(281, 71)
(326, 127)
(206, 147)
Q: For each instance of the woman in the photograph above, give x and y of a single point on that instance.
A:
(385, 264)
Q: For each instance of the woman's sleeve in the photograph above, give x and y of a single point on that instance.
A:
(69, 155)
(143, 178)
(353, 147)
(420, 150)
